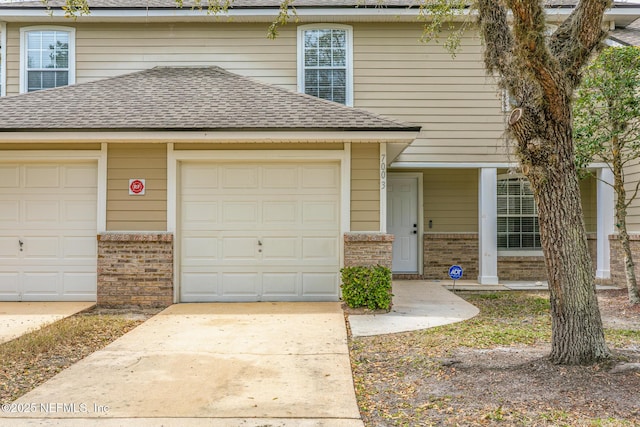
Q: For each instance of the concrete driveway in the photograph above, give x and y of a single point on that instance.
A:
(258, 364)
(18, 318)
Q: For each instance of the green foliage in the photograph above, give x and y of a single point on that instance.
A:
(367, 287)
(442, 15)
(607, 108)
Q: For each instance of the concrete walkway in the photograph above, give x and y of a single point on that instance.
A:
(18, 318)
(275, 364)
(416, 305)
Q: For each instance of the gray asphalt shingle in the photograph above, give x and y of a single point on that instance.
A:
(182, 98)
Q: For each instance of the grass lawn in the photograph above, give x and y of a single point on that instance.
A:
(493, 370)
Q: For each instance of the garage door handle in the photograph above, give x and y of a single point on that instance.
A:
(21, 243)
(259, 243)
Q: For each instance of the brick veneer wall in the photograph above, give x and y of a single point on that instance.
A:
(618, 275)
(441, 251)
(365, 249)
(135, 269)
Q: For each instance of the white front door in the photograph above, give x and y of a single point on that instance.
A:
(259, 231)
(402, 222)
(48, 249)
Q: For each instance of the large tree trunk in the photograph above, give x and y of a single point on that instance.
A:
(577, 333)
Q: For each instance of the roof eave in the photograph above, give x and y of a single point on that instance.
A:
(316, 14)
(405, 136)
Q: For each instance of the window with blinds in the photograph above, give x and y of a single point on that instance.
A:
(518, 226)
(324, 63)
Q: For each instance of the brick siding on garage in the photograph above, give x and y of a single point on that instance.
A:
(366, 249)
(135, 269)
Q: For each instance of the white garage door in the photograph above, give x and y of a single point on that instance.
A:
(48, 232)
(259, 232)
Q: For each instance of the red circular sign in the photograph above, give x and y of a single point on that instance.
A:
(136, 186)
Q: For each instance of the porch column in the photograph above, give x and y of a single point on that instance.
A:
(605, 224)
(487, 226)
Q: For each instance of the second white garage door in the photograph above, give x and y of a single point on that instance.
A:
(48, 231)
(259, 232)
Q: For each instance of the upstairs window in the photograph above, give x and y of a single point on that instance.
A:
(48, 58)
(324, 63)
(518, 227)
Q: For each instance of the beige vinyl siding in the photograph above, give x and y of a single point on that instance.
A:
(456, 104)
(107, 50)
(365, 187)
(13, 147)
(450, 200)
(13, 58)
(395, 74)
(632, 176)
(136, 213)
(588, 191)
(268, 146)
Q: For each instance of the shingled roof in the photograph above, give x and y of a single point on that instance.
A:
(630, 35)
(183, 98)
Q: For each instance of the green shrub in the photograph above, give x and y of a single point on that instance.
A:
(367, 287)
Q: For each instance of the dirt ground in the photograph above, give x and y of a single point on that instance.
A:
(504, 385)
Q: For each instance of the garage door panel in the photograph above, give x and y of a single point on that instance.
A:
(78, 248)
(240, 177)
(52, 209)
(276, 213)
(240, 284)
(200, 284)
(315, 177)
(320, 213)
(280, 177)
(9, 213)
(261, 203)
(280, 248)
(79, 283)
(199, 176)
(199, 215)
(9, 248)
(79, 213)
(9, 176)
(280, 284)
(42, 211)
(41, 176)
(79, 176)
(319, 284)
(239, 248)
(319, 249)
(9, 283)
(199, 249)
(239, 213)
(42, 247)
(42, 283)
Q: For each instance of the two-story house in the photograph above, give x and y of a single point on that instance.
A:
(216, 164)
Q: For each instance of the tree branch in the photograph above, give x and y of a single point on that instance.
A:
(574, 41)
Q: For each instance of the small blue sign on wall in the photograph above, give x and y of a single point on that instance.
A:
(455, 272)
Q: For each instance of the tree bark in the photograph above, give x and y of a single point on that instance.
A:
(577, 333)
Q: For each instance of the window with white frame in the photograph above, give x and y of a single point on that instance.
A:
(324, 62)
(48, 58)
(518, 227)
